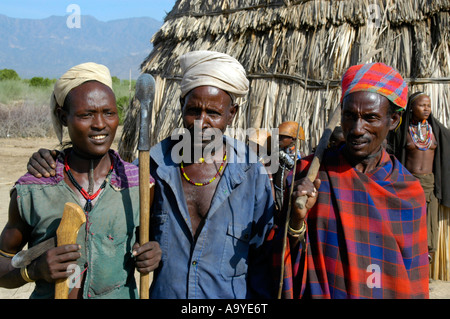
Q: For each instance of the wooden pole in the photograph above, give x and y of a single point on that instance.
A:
(145, 92)
(144, 217)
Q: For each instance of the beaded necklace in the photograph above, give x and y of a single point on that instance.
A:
(89, 198)
(211, 180)
(422, 142)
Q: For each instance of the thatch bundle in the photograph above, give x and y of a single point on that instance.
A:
(295, 53)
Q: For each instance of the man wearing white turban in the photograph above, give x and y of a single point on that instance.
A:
(214, 69)
(210, 214)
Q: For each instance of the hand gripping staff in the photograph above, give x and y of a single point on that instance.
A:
(73, 218)
(145, 92)
(318, 154)
(311, 175)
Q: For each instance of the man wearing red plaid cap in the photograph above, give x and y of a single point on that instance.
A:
(363, 232)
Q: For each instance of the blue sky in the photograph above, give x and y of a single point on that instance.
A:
(104, 10)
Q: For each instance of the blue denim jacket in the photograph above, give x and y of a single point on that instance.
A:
(229, 259)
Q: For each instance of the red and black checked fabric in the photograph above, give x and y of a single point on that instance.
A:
(366, 235)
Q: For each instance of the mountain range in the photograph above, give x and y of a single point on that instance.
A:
(49, 47)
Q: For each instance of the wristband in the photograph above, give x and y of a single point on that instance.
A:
(25, 276)
(6, 255)
(297, 232)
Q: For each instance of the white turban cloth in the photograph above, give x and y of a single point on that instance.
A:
(73, 78)
(216, 69)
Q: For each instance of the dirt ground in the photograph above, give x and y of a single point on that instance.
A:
(14, 155)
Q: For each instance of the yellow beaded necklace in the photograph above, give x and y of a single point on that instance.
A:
(211, 180)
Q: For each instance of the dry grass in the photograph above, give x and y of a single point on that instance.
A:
(25, 112)
(25, 119)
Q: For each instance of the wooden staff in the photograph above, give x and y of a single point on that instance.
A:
(311, 175)
(145, 91)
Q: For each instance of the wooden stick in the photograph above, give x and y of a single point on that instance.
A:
(321, 147)
(280, 284)
(144, 216)
(145, 93)
(73, 218)
(311, 175)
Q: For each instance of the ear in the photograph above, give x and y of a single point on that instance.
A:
(62, 115)
(182, 102)
(233, 111)
(395, 120)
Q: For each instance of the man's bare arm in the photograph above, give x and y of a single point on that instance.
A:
(12, 239)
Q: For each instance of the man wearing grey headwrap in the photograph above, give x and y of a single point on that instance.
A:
(212, 211)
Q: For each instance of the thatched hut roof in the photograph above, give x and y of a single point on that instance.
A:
(295, 53)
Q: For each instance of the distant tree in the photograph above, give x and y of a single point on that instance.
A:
(127, 83)
(38, 81)
(8, 74)
(115, 80)
(122, 106)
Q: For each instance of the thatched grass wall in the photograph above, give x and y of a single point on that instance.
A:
(295, 53)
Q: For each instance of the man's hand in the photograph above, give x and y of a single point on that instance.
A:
(303, 187)
(42, 163)
(53, 265)
(147, 256)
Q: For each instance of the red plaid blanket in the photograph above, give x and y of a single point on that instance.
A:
(366, 235)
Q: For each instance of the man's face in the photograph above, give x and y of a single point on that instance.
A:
(421, 108)
(365, 122)
(286, 141)
(207, 107)
(91, 119)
